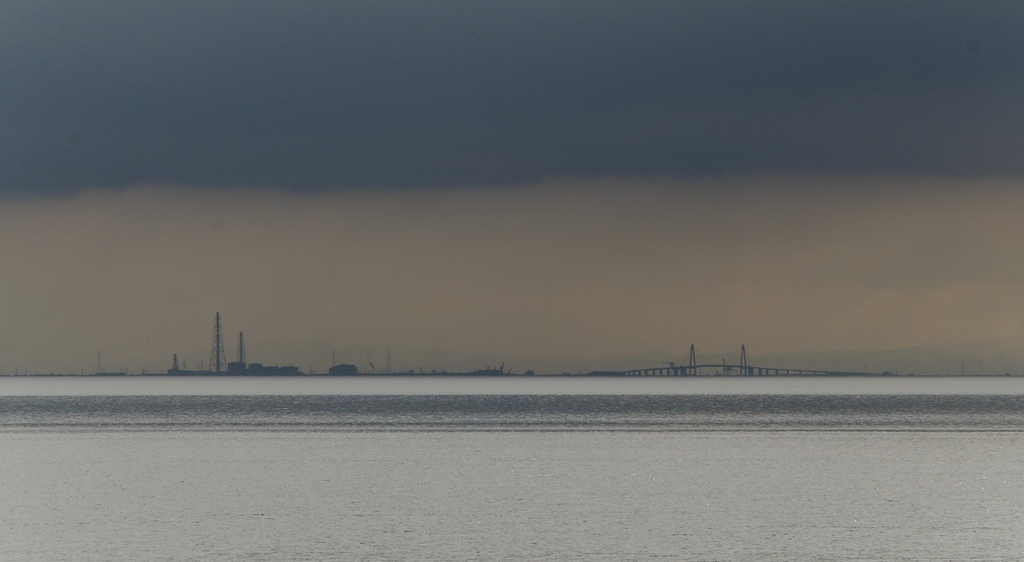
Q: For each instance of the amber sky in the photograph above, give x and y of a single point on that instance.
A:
(469, 183)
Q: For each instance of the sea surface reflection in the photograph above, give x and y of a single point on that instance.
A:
(409, 468)
(437, 385)
(512, 412)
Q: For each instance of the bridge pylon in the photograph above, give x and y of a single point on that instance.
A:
(745, 367)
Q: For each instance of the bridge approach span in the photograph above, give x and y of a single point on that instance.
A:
(722, 369)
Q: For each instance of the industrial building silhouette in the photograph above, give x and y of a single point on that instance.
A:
(219, 365)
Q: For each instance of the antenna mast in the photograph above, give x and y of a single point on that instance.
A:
(217, 359)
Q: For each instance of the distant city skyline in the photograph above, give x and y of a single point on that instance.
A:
(991, 357)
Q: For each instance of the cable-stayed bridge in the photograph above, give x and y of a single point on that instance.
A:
(723, 368)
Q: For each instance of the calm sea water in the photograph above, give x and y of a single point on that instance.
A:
(484, 469)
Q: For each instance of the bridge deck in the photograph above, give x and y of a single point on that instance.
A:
(735, 370)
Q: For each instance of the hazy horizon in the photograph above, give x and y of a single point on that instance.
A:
(570, 268)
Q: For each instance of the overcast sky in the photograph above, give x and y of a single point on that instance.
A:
(523, 178)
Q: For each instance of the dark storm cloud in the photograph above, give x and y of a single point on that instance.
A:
(317, 95)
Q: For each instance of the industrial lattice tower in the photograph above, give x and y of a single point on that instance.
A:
(241, 349)
(217, 359)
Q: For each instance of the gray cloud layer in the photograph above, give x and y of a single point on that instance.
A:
(320, 95)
